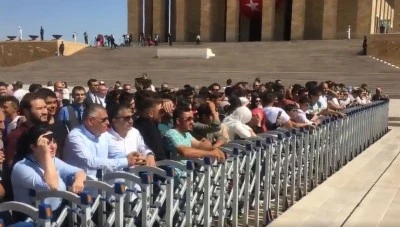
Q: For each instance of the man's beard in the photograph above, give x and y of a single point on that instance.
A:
(37, 121)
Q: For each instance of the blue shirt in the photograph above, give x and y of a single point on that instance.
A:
(27, 174)
(91, 153)
(64, 113)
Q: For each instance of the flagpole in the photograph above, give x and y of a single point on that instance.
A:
(169, 15)
(143, 16)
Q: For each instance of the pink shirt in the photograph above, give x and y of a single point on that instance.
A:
(260, 113)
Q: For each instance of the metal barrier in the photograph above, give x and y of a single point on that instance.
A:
(264, 175)
(40, 216)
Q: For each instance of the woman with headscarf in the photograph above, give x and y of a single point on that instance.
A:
(236, 124)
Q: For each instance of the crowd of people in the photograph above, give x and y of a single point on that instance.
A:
(50, 133)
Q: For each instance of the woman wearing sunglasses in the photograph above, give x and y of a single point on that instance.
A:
(37, 168)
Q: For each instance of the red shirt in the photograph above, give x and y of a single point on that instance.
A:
(11, 143)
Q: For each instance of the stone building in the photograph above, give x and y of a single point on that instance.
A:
(223, 20)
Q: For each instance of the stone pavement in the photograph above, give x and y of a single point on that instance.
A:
(366, 192)
(292, 62)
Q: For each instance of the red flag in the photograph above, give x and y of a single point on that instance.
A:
(278, 3)
(251, 8)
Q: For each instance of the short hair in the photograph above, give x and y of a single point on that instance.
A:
(30, 137)
(14, 101)
(25, 103)
(290, 107)
(229, 82)
(91, 109)
(311, 85)
(90, 81)
(214, 84)
(3, 84)
(46, 93)
(125, 98)
(34, 87)
(146, 103)
(18, 84)
(204, 110)
(304, 100)
(268, 98)
(77, 88)
(313, 92)
(115, 110)
(178, 113)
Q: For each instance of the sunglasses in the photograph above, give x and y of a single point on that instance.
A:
(188, 119)
(126, 118)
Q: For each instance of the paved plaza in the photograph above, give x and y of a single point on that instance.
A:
(292, 62)
(366, 192)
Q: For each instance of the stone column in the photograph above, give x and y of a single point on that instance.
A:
(149, 16)
(396, 16)
(134, 15)
(385, 10)
(329, 19)
(268, 20)
(205, 20)
(364, 13)
(160, 20)
(298, 19)
(232, 20)
(180, 20)
(376, 15)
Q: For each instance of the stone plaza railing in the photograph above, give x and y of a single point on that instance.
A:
(262, 176)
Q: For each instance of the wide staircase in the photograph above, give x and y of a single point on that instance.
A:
(292, 62)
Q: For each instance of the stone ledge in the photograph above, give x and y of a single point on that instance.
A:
(331, 203)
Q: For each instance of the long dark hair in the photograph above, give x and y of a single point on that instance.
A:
(30, 137)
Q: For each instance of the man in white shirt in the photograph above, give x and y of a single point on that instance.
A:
(103, 90)
(126, 138)
(11, 106)
(275, 116)
(18, 91)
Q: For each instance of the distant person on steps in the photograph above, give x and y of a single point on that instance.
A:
(41, 33)
(61, 49)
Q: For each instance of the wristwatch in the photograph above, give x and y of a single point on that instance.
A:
(151, 153)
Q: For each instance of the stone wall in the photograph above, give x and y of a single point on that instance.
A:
(15, 52)
(385, 47)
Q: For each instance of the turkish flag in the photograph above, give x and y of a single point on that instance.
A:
(251, 8)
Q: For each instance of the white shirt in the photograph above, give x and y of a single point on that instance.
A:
(272, 113)
(65, 93)
(324, 101)
(301, 117)
(132, 142)
(20, 93)
(103, 101)
(12, 125)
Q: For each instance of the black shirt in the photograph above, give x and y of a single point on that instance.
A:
(151, 136)
(60, 132)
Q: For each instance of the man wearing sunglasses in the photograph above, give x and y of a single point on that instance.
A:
(181, 145)
(126, 138)
(88, 146)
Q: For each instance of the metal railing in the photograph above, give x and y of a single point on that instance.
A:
(262, 176)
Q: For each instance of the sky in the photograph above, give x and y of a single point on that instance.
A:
(63, 17)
